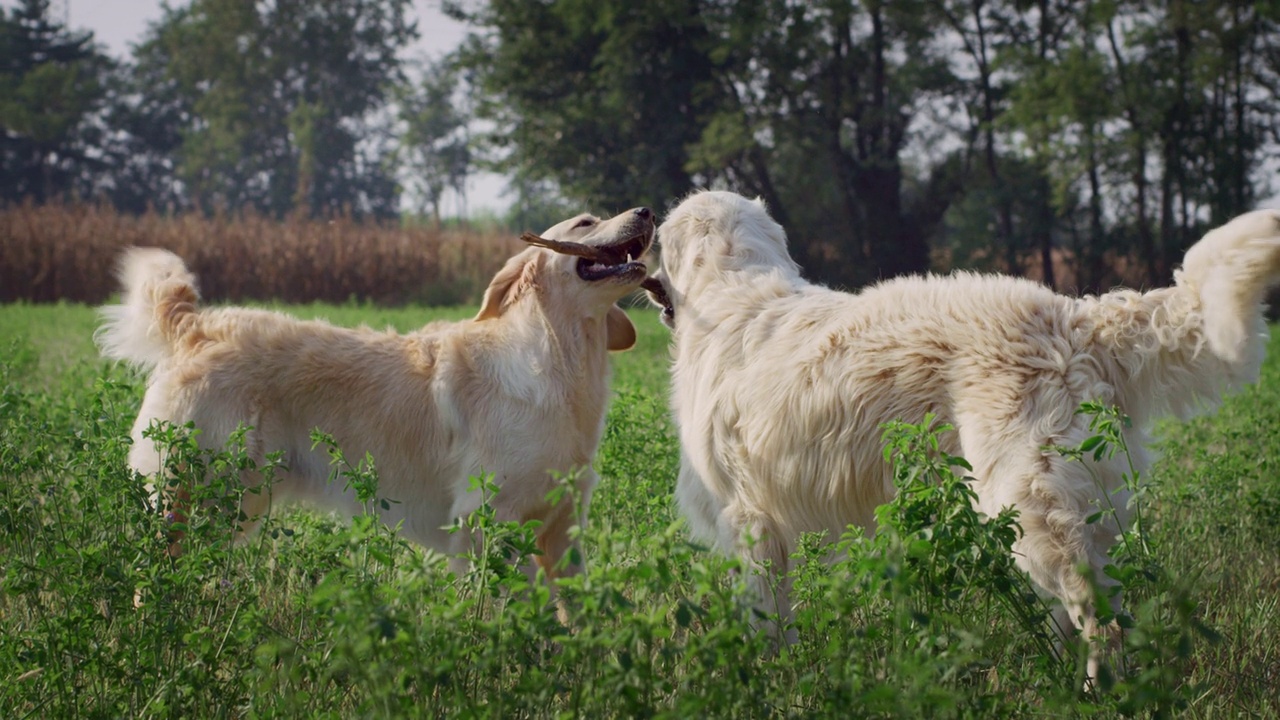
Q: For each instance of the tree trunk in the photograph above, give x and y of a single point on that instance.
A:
(1004, 209)
(1137, 141)
(897, 247)
(1046, 239)
(1095, 267)
(1172, 181)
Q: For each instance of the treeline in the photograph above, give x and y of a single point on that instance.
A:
(283, 108)
(888, 137)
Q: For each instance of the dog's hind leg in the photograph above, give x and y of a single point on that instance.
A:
(471, 544)
(561, 556)
(758, 540)
(1062, 551)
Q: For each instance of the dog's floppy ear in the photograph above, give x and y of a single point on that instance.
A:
(620, 333)
(504, 287)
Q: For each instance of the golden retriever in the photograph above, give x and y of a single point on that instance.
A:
(780, 387)
(519, 392)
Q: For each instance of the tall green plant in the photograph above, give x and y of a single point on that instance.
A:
(1159, 636)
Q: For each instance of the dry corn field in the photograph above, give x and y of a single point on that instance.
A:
(65, 252)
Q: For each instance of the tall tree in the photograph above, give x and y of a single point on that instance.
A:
(435, 147)
(980, 27)
(276, 101)
(147, 114)
(1151, 118)
(622, 104)
(826, 93)
(1199, 105)
(599, 97)
(50, 86)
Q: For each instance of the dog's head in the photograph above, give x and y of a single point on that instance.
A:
(710, 236)
(594, 264)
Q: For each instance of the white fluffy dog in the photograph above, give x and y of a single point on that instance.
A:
(519, 392)
(780, 387)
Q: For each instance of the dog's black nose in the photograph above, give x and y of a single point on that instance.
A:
(644, 213)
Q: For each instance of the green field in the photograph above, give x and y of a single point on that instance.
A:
(325, 616)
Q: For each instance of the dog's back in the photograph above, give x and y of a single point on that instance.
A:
(837, 365)
(833, 367)
(281, 377)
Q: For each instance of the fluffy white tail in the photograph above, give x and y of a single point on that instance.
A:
(1177, 350)
(157, 304)
(1231, 268)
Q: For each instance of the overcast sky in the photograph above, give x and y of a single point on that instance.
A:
(118, 24)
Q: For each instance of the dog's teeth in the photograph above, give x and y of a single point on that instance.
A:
(628, 257)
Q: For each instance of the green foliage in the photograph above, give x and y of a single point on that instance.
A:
(435, 151)
(316, 615)
(947, 545)
(1086, 144)
(1159, 637)
(591, 95)
(275, 99)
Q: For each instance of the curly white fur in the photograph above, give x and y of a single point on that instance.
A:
(780, 387)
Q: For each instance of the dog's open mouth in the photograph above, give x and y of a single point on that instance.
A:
(601, 262)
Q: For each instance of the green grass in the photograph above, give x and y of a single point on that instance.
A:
(325, 616)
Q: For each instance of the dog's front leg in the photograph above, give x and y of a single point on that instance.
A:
(468, 549)
(561, 557)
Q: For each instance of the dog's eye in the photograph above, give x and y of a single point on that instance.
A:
(584, 222)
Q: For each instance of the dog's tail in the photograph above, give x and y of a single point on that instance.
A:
(1184, 346)
(1231, 268)
(158, 306)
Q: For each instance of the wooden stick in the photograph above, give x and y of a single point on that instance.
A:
(571, 248)
(660, 293)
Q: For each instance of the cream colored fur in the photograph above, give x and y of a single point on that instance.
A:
(780, 387)
(519, 392)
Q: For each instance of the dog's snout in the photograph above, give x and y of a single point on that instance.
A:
(643, 213)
